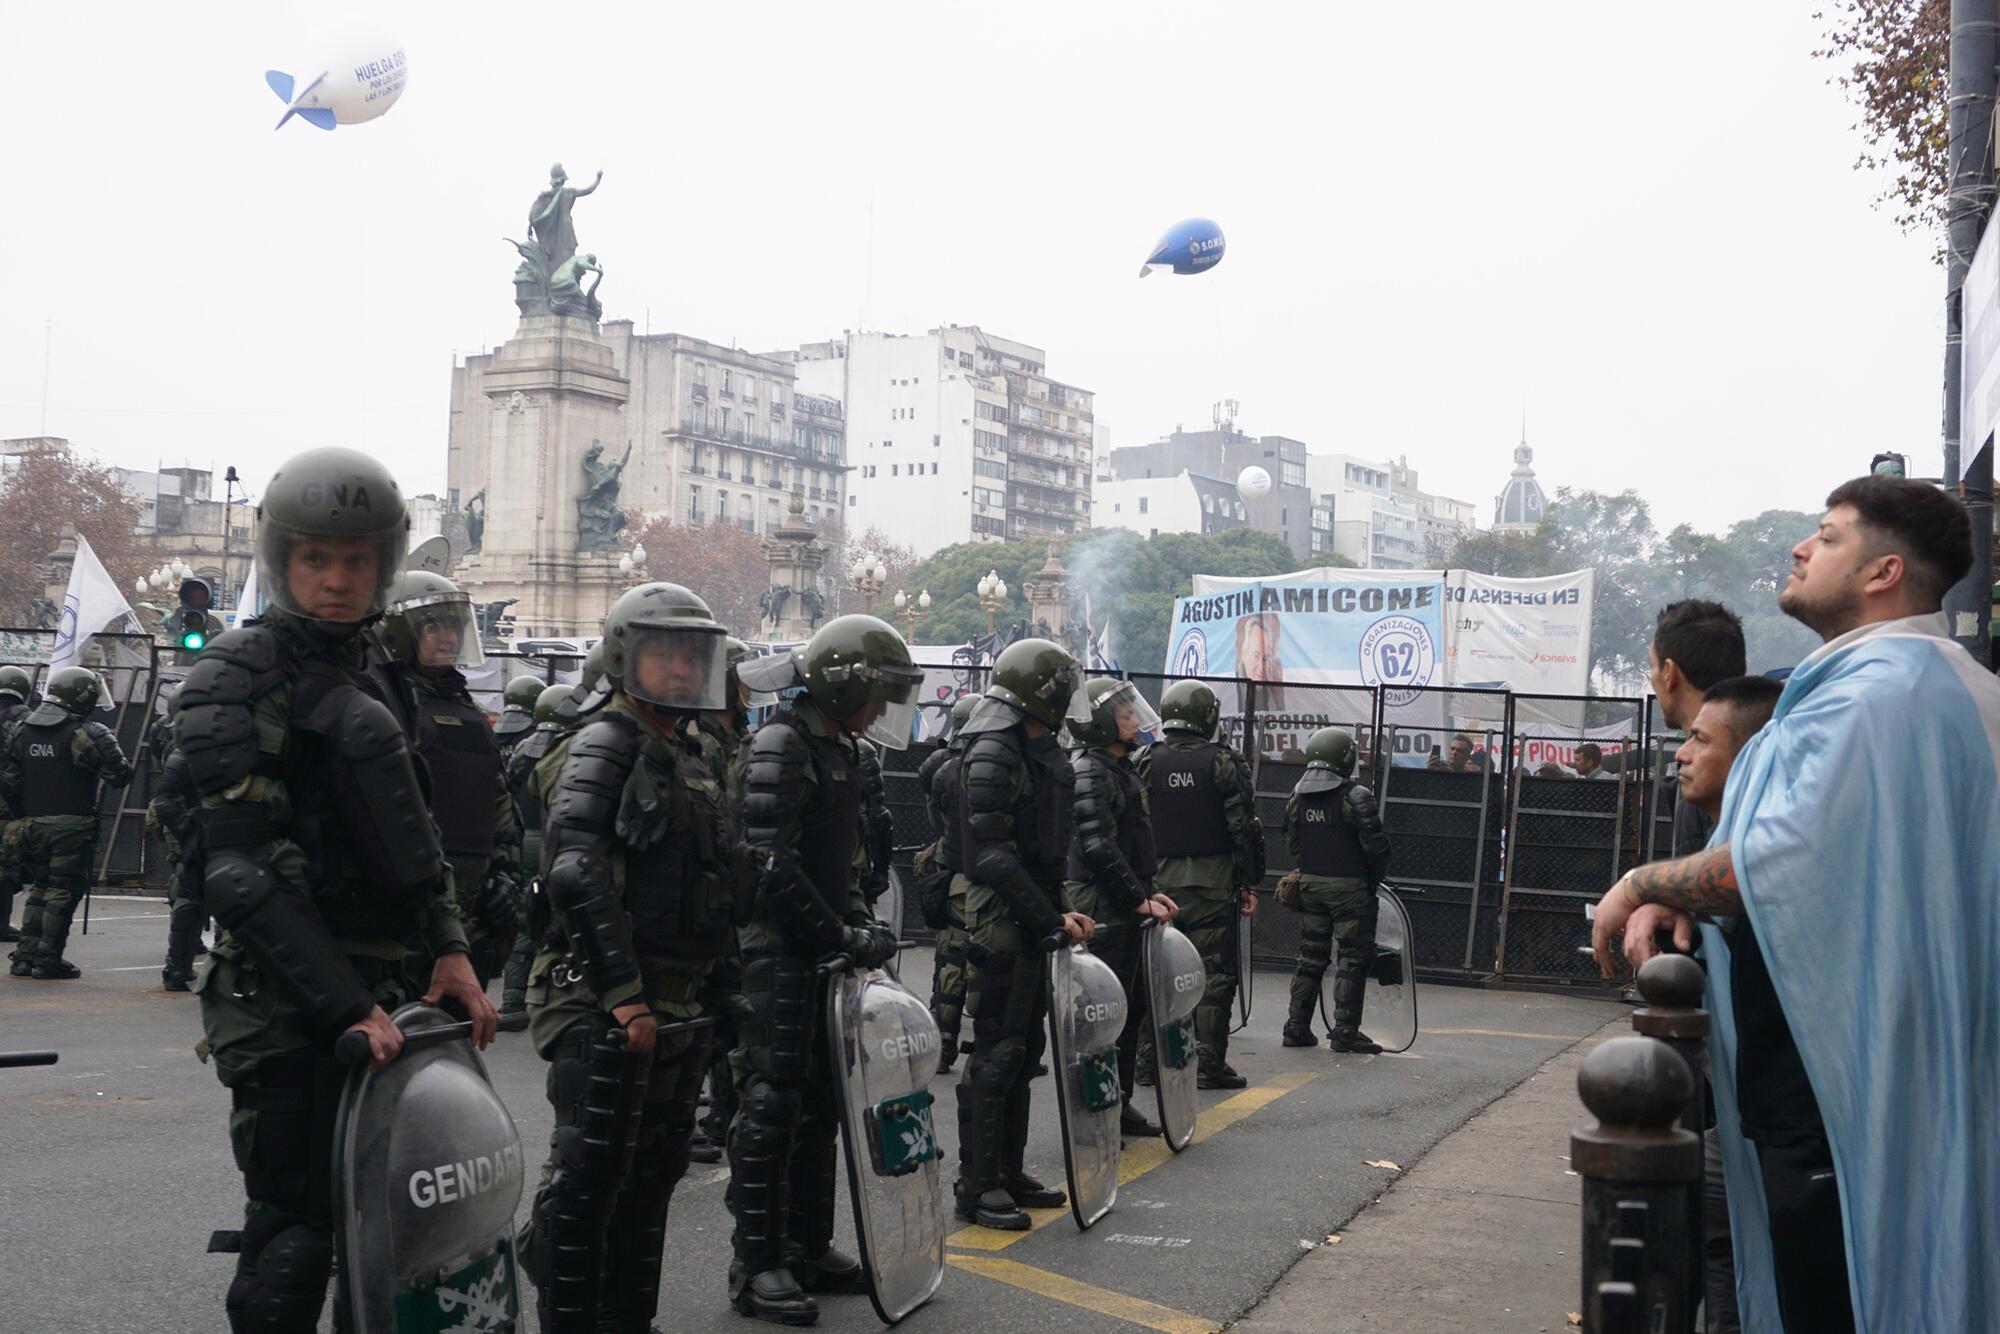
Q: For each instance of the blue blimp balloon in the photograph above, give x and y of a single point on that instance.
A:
(1193, 246)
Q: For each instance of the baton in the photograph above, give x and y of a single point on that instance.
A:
(9, 1059)
(352, 1049)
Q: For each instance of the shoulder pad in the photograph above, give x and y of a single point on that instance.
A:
(780, 739)
(611, 736)
(236, 668)
(47, 714)
(989, 746)
(595, 768)
(257, 647)
(98, 732)
(367, 730)
(1359, 794)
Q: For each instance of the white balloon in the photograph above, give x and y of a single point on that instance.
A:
(1253, 483)
(353, 72)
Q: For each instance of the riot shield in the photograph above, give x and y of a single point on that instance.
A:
(889, 912)
(1174, 983)
(885, 1050)
(1245, 978)
(1086, 1015)
(1389, 1009)
(427, 1178)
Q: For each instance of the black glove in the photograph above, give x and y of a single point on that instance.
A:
(858, 944)
(500, 903)
(885, 944)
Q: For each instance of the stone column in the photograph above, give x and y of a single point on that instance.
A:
(792, 608)
(1048, 598)
(552, 389)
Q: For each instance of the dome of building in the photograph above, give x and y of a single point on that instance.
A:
(1522, 504)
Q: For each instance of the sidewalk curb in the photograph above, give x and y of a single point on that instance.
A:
(1480, 1233)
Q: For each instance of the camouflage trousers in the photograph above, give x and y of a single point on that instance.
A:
(57, 853)
(948, 967)
(284, 1088)
(1333, 910)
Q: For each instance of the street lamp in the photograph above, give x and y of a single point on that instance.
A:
(141, 585)
(633, 561)
(867, 579)
(911, 609)
(992, 596)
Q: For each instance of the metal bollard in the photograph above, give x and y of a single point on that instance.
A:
(1672, 986)
(1641, 1175)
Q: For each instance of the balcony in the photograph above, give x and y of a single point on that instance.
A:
(778, 445)
(1028, 444)
(747, 525)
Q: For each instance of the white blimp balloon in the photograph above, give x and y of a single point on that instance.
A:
(354, 73)
(1253, 483)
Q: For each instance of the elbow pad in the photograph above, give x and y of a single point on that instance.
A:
(580, 891)
(286, 940)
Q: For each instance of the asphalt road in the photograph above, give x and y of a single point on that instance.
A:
(117, 1163)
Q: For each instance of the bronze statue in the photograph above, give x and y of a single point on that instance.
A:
(549, 218)
(567, 296)
(598, 517)
(475, 521)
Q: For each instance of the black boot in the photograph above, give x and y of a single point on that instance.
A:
(1299, 1034)
(773, 1295)
(173, 981)
(1220, 1075)
(947, 1055)
(22, 965)
(1134, 1123)
(1027, 1192)
(835, 1272)
(1354, 1040)
(51, 968)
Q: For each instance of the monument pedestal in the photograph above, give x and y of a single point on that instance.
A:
(553, 390)
(792, 607)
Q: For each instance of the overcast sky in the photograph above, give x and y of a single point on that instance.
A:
(1639, 223)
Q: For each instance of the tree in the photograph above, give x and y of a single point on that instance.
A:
(844, 549)
(52, 487)
(1899, 72)
(720, 562)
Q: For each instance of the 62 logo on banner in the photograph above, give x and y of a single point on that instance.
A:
(1398, 655)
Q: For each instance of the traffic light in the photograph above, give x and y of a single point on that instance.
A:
(191, 626)
(1889, 465)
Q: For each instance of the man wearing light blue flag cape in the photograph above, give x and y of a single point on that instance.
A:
(1858, 856)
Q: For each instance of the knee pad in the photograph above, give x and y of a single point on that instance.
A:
(595, 1087)
(281, 1276)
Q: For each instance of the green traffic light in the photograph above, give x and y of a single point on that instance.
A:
(193, 641)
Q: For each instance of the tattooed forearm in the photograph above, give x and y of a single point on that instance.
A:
(1703, 883)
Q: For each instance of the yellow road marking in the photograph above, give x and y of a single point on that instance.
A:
(1503, 1033)
(1142, 1158)
(1070, 1292)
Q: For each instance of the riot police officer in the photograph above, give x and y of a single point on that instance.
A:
(1015, 792)
(720, 734)
(1211, 850)
(55, 759)
(430, 631)
(638, 886)
(15, 689)
(170, 812)
(522, 761)
(1111, 857)
(517, 712)
(945, 911)
(802, 819)
(1334, 829)
(316, 857)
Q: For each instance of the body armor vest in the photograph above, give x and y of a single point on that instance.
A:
(1135, 829)
(464, 761)
(678, 891)
(944, 791)
(52, 782)
(831, 829)
(521, 768)
(1187, 807)
(1328, 844)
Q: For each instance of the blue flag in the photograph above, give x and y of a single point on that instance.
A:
(1864, 826)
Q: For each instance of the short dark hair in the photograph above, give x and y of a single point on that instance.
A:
(1751, 700)
(1457, 737)
(1928, 528)
(1591, 749)
(1704, 639)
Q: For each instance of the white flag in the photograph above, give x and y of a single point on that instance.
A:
(92, 602)
(246, 601)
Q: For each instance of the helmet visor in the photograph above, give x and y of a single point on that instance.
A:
(337, 580)
(1134, 722)
(1079, 709)
(892, 703)
(444, 631)
(677, 666)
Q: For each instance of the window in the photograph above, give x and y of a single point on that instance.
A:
(694, 504)
(750, 388)
(854, 500)
(936, 440)
(1284, 517)
(722, 507)
(701, 372)
(892, 470)
(1239, 510)
(934, 470)
(1142, 505)
(988, 468)
(992, 412)
(726, 380)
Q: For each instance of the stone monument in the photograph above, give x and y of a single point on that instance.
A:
(545, 531)
(792, 604)
(1048, 599)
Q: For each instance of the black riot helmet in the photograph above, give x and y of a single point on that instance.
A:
(17, 683)
(522, 692)
(430, 623)
(1119, 714)
(1042, 679)
(961, 709)
(662, 646)
(1330, 756)
(340, 513)
(547, 700)
(856, 670)
(1190, 706)
(77, 690)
